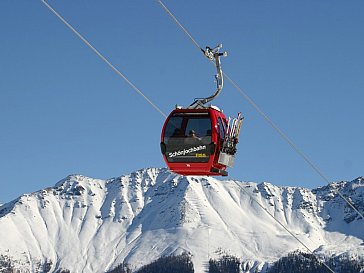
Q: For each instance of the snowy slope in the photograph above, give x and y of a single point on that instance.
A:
(92, 225)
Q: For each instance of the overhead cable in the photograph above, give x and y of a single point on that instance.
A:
(285, 228)
(102, 57)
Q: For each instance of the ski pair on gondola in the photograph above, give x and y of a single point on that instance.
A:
(199, 139)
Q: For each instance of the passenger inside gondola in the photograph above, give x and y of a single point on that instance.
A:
(192, 138)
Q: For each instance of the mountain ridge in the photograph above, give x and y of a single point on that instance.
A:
(152, 212)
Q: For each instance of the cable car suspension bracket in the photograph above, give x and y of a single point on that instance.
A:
(213, 55)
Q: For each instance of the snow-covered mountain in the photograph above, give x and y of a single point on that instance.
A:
(92, 225)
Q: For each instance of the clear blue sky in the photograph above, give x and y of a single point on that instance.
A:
(63, 111)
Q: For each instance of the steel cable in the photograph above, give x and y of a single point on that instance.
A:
(104, 58)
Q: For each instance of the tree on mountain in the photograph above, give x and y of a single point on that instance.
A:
(346, 264)
(6, 265)
(181, 264)
(226, 264)
(299, 262)
(121, 268)
(63, 271)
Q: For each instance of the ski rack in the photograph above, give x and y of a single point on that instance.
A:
(231, 139)
(213, 55)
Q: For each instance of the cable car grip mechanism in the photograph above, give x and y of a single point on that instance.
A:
(213, 55)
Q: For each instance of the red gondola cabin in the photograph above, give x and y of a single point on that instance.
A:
(192, 139)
